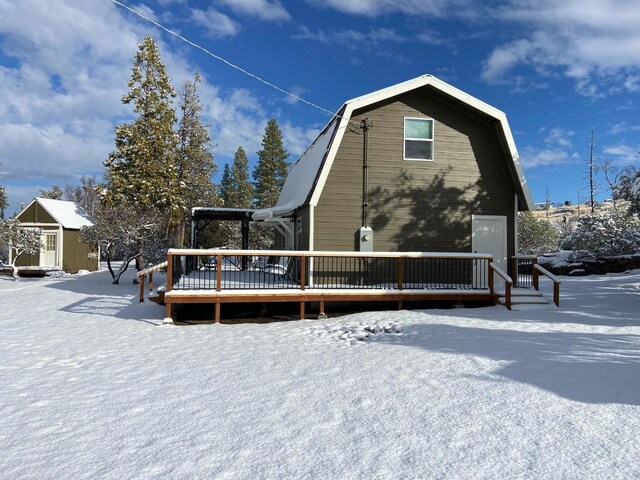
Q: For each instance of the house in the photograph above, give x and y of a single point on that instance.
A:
(60, 223)
(418, 166)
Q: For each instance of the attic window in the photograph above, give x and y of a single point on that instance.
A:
(418, 138)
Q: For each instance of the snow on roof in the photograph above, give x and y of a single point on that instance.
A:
(68, 214)
(302, 176)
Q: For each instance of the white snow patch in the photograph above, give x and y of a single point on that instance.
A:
(91, 388)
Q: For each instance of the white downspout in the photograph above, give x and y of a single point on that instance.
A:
(515, 223)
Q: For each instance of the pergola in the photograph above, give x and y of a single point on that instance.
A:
(201, 217)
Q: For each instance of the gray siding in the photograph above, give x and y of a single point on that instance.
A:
(416, 205)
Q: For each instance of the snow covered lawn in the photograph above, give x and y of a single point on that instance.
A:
(92, 386)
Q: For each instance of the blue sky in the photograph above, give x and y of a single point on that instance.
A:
(556, 68)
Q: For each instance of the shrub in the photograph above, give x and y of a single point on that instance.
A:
(605, 233)
(536, 235)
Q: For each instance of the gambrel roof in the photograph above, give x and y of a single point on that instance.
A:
(309, 174)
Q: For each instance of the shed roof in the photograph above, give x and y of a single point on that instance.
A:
(68, 214)
(309, 174)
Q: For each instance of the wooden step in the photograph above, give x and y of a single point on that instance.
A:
(524, 296)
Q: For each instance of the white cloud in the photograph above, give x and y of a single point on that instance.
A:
(217, 24)
(557, 149)
(262, 9)
(622, 127)
(351, 38)
(297, 139)
(585, 40)
(61, 93)
(373, 8)
(622, 154)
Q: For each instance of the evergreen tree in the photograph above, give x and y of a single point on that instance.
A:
(142, 169)
(271, 172)
(85, 194)
(226, 186)
(4, 200)
(627, 187)
(195, 163)
(241, 194)
(54, 193)
(536, 235)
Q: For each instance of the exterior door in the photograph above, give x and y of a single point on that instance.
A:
(50, 250)
(489, 235)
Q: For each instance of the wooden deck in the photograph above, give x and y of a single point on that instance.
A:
(194, 277)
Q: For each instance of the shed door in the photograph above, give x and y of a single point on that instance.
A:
(489, 235)
(49, 257)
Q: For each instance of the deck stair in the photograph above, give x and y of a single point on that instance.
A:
(524, 296)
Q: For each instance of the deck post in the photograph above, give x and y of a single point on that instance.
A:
(556, 294)
(535, 279)
(218, 272)
(168, 314)
(400, 274)
(490, 276)
(150, 281)
(168, 317)
(217, 313)
(169, 271)
(142, 288)
(321, 313)
(303, 272)
(302, 305)
(507, 295)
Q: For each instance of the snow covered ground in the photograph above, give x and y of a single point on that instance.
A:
(93, 386)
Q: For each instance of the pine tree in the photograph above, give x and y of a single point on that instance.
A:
(142, 169)
(241, 194)
(271, 172)
(4, 201)
(195, 162)
(54, 193)
(226, 186)
(85, 194)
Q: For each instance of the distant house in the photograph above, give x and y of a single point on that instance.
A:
(418, 166)
(60, 222)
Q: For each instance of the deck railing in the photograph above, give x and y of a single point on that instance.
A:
(526, 273)
(522, 270)
(220, 270)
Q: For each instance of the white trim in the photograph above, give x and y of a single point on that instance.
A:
(515, 223)
(428, 140)
(311, 236)
(331, 155)
(359, 102)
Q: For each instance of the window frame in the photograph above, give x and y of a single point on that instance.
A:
(429, 140)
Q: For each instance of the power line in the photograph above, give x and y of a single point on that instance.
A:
(218, 57)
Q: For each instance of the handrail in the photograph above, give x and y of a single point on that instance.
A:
(142, 275)
(537, 269)
(324, 253)
(155, 268)
(508, 283)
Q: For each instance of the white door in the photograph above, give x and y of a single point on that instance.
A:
(489, 235)
(49, 250)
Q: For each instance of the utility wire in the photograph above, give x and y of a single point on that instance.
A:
(217, 57)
